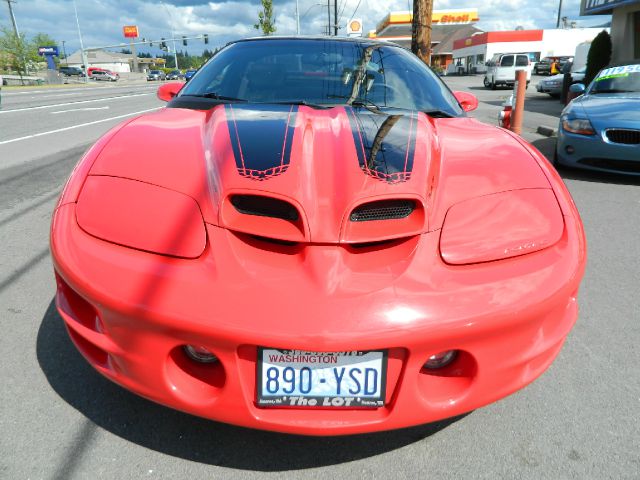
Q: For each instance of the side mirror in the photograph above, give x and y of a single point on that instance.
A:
(578, 88)
(168, 91)
(467, 101)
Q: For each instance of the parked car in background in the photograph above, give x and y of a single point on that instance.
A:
(104, 75)
(189, 73)
(501, 69)
(553, 85)
(175, 75)
(156, 75)
(72, 71)
(543, 67)
(600, 130)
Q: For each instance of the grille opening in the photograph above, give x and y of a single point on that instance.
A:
(626, 137)
(265, 207)
(383, 210)
(377, 245)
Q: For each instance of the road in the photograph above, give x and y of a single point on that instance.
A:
(61, 420)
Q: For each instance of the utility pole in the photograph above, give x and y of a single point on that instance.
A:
(328, 17)
(559, 13)
(421, 29)
(297, 18)
(64, 50)
(335, 17)
(13, 18)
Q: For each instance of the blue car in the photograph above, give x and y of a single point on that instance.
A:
(600, 130)
(188, 74)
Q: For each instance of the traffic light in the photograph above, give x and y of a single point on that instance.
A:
(184, 40)
(206, 38)
(163, 44)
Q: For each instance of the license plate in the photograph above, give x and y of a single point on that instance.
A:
(294, 378)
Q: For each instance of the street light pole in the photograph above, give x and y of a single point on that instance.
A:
(83, 53)
(297, 18)
(175, 52)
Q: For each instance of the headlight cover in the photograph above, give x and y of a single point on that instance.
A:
(500, 226)
(142, 216)
(580, 126)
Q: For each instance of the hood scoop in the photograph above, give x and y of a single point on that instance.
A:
(262, 206)
(383, 210)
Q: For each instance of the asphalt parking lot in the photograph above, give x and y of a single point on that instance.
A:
(61, 420)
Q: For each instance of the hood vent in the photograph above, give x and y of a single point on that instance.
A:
(265, 207)
(383, 210)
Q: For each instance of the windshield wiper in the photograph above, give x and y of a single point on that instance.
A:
(366, 103)
(300, 102)
(216, 96)
(438, 114)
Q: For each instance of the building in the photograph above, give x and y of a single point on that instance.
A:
(474, 51)
(447, 27)
(625, 25)
(116, 62)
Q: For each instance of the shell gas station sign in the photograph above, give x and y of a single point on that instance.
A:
(130, 31)
(456, 16)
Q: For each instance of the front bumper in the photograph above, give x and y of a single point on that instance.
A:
(129, 313)
(593, 152)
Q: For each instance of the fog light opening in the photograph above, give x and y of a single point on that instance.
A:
(569, 149)
(199, 354)
(440, 360)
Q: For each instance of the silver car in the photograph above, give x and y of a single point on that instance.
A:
(553, 85)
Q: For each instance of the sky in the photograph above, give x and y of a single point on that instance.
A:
(101, 21)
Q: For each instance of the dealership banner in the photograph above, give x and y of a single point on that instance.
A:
(600, 7)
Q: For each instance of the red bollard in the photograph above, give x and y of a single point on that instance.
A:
(518, 109)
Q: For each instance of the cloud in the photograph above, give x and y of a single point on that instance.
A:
(101, 21)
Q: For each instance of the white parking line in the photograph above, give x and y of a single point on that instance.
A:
(77, 126)
(86, 109)
(40, 107)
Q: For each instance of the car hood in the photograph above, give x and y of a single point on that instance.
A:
(621, 110)
(324, 164)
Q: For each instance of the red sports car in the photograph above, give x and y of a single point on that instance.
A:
(313, 237)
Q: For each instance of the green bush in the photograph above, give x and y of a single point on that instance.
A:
(599, 56)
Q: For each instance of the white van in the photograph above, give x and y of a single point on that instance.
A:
(501, 69)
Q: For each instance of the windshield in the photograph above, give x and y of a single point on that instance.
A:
(322, 72)
(623, 79)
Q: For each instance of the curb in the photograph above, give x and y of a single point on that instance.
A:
(547, 131)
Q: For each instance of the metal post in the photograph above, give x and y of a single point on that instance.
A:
(64, 50)
(85, 62)
(559, 13)
(175, 52)
(518, 109)
(335, 17)
(297, 18)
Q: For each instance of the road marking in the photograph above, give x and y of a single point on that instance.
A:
(86, 109)
(75, 103)
(77, 126)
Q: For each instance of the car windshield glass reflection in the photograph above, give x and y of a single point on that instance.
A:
(322, 72)
(624, 79)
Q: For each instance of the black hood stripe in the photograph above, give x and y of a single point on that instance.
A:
(261, 138)
(385, 144)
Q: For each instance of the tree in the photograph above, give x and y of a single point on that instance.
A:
(15, 49)
(599, 56)
(266, 22)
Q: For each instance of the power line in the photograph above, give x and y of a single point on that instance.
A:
(356, 10)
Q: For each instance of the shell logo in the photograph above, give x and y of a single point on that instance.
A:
(354, 27)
